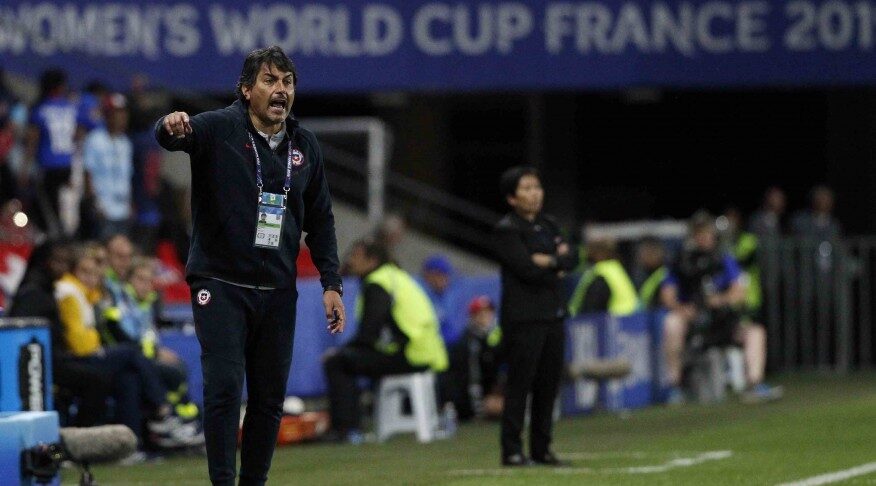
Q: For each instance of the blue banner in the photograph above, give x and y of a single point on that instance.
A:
(417, 45)
(590, 337)
(600, 336)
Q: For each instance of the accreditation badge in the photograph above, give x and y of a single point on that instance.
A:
(269, 225)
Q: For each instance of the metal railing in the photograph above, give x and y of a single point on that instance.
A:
(818, 302)
(426, 208)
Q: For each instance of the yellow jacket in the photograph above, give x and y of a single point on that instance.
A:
(414, 315)
(76, 309)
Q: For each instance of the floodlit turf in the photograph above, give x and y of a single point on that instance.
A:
(824, 424)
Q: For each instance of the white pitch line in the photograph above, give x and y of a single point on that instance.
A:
(584, 456)
(669, 465)
(511, 471)
(675, 463)
(483, 472)
(835, 476)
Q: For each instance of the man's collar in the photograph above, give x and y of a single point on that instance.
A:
(289, 124)
(278, 137)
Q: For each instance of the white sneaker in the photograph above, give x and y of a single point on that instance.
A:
(165, 426)
(185, 435)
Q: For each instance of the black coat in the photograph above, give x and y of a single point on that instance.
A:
(529, 292)
(36, 298)
(225, 201)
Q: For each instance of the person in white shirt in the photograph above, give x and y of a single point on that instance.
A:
(108, 160)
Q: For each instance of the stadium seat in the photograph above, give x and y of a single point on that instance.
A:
(389, 412)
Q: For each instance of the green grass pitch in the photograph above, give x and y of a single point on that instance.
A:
(824, 424)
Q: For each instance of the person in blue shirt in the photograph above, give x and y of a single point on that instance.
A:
(437, 279)
(90, 105)
(53, 131)
(705, 292)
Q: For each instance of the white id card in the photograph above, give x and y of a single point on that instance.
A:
(269, 225)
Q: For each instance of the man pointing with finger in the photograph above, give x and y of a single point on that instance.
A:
(252, 159)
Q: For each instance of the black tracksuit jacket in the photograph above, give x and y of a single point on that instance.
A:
(225, 201)
(529, 292)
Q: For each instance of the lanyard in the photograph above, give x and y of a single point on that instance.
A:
(286, 185)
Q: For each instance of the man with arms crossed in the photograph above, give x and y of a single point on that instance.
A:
(534, 257)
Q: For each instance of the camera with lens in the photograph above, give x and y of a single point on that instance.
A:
(696, 271)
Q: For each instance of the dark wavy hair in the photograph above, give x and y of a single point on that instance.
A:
(273, 55)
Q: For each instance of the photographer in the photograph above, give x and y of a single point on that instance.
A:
(704, 293)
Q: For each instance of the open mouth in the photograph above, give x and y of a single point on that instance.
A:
(278, 104)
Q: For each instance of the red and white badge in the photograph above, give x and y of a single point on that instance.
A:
(297, 157)
(203, 297)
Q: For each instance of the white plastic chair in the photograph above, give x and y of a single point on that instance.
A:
(389, 416)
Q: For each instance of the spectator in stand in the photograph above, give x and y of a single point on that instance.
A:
(134, 319)
(766, 222)
(475, 381)
(97, 251)
(651, 258)
(605, 286)
(90, 105)
(818, 233)
(107, 156)
(135, 381)
(51, 140)
(35, 297)
(818, 223)
(120, 252)
(398, 333)
(437, 279)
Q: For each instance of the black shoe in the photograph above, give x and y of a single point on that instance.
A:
(516, 460)
(550, 459)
